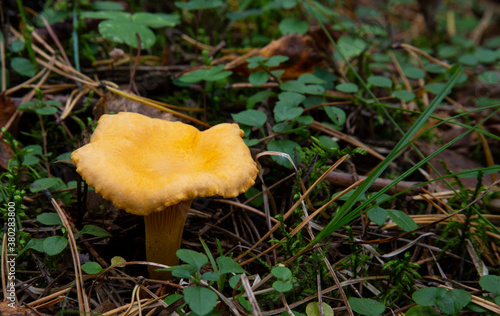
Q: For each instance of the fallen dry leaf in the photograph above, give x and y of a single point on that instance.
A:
(7, 109)
(301, 50)
(455, 162)
(111, 102)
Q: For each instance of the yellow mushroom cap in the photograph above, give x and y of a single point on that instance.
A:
(143, 165)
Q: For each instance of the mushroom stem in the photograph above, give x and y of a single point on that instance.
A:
(164, 235)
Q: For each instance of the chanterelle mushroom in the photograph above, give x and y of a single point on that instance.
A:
(155, 168)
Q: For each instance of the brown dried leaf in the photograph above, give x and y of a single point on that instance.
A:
(7, 109)
(301, 50)
(455, 162)
(111, 102)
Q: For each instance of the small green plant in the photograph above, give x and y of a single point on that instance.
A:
(123, 27)
(366, 306)
(449, 302)
(211, 74)
(452, 301)
(379, 215)
(54, 245)
(199, 296)
(285, 279)
(402, 275)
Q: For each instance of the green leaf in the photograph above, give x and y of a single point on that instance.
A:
(199, 4)
(468, 60)
(94, 231)
(485, 55)
(281, 286)
(490, 283)
(250, 142)
(285, 146)
(402, 220)
(426, 296)
(245, 303)
(414, 72)
(422, 311)
(447, 51)
(328, 142)
(337, 115)
(299, 87)
(251, 117)
(23, 66)
(489, 77)
(52, 16)
(366, 306)
(192, 257)
(49, 219)
(30, 160)
(284, 111)
(44, 183)
(436, 87)
(347, 87)
(64, 156)
(210, 276)
(288, 4)
(287, 106)
(306, 119)
(46, 110)
(107, 15)
(377, 215)
(452, 301)
(156, 20)
(201, 300)
(404, 95)
(117, 261)
(282, 273)
(106, 6)
(275, 61)
(91, 267)
(282, 127)
(277, 72)
(16, 46)
(228, 265)
(310, 79)
(54, 245)
(181, 273)
(26, 106)
(258, 78)
(293, 26)
(259, 97)
(254, 61)
(52, 103)
(35, 244)
(435, 68)
(351, 47)
(172, 298)
(312, 309)
(233, 281)
(212, 74)
(379, 81)
(124, 31)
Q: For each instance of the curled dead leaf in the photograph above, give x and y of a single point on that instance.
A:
(303, 56)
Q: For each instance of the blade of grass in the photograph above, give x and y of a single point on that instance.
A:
(335, 223)
(367, 202)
